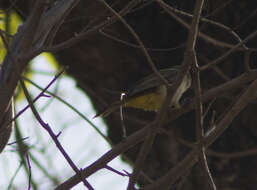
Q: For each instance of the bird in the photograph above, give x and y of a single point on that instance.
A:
(150, 92)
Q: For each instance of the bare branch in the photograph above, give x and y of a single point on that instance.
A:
(25, 39)
(53, 136)
(192, 158)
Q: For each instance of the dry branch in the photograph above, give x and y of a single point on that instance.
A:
(27, 39)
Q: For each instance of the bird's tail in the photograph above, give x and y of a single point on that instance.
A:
(110, 109)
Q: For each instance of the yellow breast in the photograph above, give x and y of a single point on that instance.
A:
(150, 101)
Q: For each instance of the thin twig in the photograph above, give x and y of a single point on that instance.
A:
(14, 176)
(22, 150)
(140, 43)
(44, 170)
(199, 121)
(137, 46)
(15, 142)
(215, 68)
(161, 115)
(78, 37)
(11, 69)
(225, 155)
(139, 136)
(29, 166)
(219, 8)
(191, 159)
(170, 10)
(247, 67)
(115, 171)
(246, 20)
(208, 107)
(229, 52)
(118, 149)
(72, 108)
(53, 136)
(123, 126)
(39, 96)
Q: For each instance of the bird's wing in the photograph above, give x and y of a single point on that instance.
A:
(151, 82)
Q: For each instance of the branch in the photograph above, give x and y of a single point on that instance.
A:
(129, 142)
(229, 52)
(139, 136)
(82, 35)
(140, 43)
(199, 123)
(161, 115)
(53, 136)
(191, 159)
(171, 11)
(25, 40)
(10, 71)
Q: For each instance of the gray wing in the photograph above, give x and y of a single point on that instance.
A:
(152, 81)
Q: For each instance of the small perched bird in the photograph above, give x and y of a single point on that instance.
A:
(150, 92)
